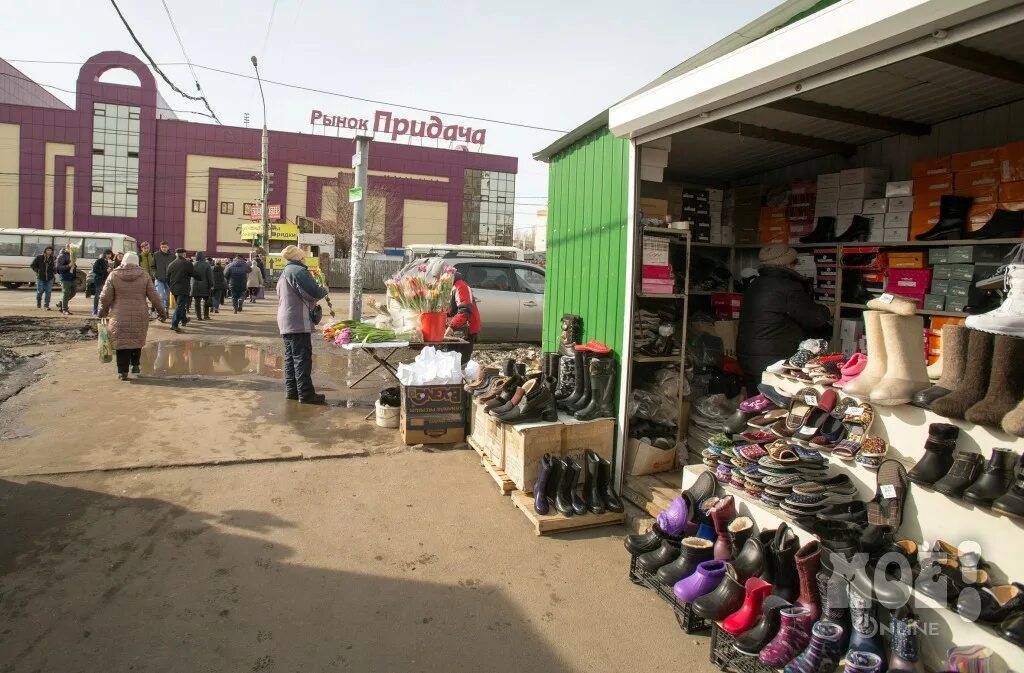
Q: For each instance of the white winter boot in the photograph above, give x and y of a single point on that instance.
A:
(1008, 319)
(906, 372)
(875, 369)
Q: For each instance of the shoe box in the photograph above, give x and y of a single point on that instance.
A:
(433, 414)
(726, 305)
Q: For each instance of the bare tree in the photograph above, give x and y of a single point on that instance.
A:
(336, 215)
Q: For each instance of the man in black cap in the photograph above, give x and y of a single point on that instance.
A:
(180, 273)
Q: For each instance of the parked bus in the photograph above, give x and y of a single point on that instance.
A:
(18, 247)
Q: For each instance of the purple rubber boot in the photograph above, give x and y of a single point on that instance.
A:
(793, 636)
(672, 520)
(823, 653)
(708, 575)
(862, 662)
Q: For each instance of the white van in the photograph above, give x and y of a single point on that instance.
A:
(18, 247)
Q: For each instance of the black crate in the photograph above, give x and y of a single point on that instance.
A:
(728, 659)
(688, 620)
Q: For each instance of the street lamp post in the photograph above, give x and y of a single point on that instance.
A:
(264, 159)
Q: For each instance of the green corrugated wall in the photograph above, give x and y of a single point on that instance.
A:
(586, 244)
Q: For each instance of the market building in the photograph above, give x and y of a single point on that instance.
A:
(121, 161)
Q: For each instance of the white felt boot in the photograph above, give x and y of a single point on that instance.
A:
(875, 370)
(906, 372)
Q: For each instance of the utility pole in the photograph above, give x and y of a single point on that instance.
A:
(358, 250)
(264, 168)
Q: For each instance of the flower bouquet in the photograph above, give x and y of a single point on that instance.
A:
(421, 291)
(353, 331)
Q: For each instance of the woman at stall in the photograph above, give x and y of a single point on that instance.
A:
(123, 299)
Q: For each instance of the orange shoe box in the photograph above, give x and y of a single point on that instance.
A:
(1011, 205)
(935, 184)
(984, 195)
(930, 199)
(1011, 191)
(979, 215)
(972, 161)
(923, 220)
(1012, 163)
(929, 167)
(969, 179)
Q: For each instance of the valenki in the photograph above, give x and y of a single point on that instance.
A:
(875, 369)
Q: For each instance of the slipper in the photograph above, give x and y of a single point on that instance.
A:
(799, 405)
(832, 430)
(872, 453)
(857, 420)
(825, 374)
(723, 473)
(840, 484)
(769, 501)
(721, 440)
(758, 404)
(775, 367)
(786, 480)
(815, 416)
(752, 452)
(886, 508)
(851, 369)
(766, 419)
(752, 471)
(780, 452)
(809, 455)
(757, 437)
(777, 397)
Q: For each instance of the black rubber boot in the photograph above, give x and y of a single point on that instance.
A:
(602, 387)
(566, 486)
(592, 483)
(588, 388)
(540, 500)
(579, 384)
(579, 505)
(611, 498)
(566, 375)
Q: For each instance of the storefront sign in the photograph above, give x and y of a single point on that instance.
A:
(278, 232)
(273, 212)
(384, 122)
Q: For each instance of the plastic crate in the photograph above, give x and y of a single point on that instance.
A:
(689, 621)
(728, 659)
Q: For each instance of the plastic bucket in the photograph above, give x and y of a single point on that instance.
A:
(433, 326)
(387, 417)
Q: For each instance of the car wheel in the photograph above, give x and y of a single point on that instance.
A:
(13, 286)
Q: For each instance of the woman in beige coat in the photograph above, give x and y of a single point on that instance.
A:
(124, 300)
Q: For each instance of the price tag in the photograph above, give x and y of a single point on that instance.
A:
(811, 400)
(888, 491)
(886, 298)
(855, 412)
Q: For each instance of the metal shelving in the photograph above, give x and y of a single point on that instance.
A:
(947, 314)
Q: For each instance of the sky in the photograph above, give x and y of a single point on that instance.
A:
(546, 63)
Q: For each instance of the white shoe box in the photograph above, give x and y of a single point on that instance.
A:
(901, 188)
(850, 206)
(853, 176)
(875, 206)
(862, 190)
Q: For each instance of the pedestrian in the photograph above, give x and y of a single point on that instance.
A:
(123, 299)
(180, 273)
(101, 268)
(297, 296)
(65, 267)
(202, 285)
(43, 265)
(237, 275)
(777, 313)
(117, 260)
(162, 258)
(220, 284)
(148, 265)
(464, 317)
(254, 281)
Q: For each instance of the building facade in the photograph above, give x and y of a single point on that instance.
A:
(120, 161)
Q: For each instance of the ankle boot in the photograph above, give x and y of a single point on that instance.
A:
(566, 373)
(641, 543)
(863, 662)
(602, 385)
(653, 560)
(972, 387)
(579, 505)
(566, 485)
(702, 581)
(783, 552)
(579, 384)
(1008, 319)
(592, 482)
(755, 590)
(588, 388)
(673, 518)
(824, 231)
(1005, 384)
(996, 477)
(752, 641)
(938, 458)
(740, 530)
(807, 563)
(723, 601)
(906, 372)
(1002, 224)
(952, 219)
(954, 361)
(536, 404)
(875, 369)
(750, 560)
(694, 552)
(1011, 503)
(793, 636)
(607, 487)
(904, 645)
(859, 229)
(540, 500)
(864, 634)
(721, 516)
(823, 652)
(966, 468)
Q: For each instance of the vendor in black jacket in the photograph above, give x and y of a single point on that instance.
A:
(777, 313)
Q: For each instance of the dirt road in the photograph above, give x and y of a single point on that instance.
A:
(192, 520)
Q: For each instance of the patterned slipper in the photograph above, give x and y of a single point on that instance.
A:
(767, 419)
(721, 440)
(752, 452)
(723, 473)
(810, 456)
(872, 453)
(780, 452)
(777, 397)
(857, 420)
(758, 404)
(785, 480)
(886, 508)
(757, 437)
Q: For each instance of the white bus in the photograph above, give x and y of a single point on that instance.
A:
(18, 247)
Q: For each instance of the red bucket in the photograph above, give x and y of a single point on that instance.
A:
(433, 326)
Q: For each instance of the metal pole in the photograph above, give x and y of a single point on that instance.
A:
(358, 249)
(264, 168)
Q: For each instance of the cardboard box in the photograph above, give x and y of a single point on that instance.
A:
(749, 195)
(942, 272)
(525, 444)
(938, 255)
(643, 458)
(895, 234)
(936, 184)
(652, 174)
(956, 303)
(983, 195)
(489, 434)
(657, 208)
(1011, 205)
(826, 209)
(716, 195)
(929, 200)
(959, 288)
(850, 206)
(961, 272)
(656, 271)
(908, 281)
(940, 285)
(433, 414)
(1011, 191)
(929, 167)
(934, 302)
(877, 234)
(900, 204)
(901, 220)
(828, 181)
(852, 176)
(1012, 163)
(970, 161)
(875, 206)
(973, 254)
(906, 260)
(979, 215)
(900, 188)
(979, 178)
(827, 195)
(923, 220)
(862, 190)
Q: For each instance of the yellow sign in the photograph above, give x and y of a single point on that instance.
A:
(277, 262)
(278, 232)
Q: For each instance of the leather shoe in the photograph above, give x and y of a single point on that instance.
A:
(315, 398)
(993, 605)
(1012, 628)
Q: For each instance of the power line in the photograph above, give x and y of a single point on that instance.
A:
(160, 72)
(270, 23)
(181, 44)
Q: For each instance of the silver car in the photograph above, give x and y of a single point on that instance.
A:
(508, 293)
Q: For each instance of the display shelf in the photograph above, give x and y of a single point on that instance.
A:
(666, 230)
(656, 358)
(697, 244)
(676, 295)
(554, 522)
(894, 244)
(703, 293)
(948, 314)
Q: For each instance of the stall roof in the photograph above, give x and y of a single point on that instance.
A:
(775, 19)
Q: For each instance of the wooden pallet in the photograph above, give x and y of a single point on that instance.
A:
(505, 485)
(653, 492)
(545, 524)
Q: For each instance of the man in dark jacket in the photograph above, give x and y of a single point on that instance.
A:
(43, 265)
(777, 313)
(202, 285)
(220, 284)
(180, 273)
(65, 268)
(237, 274)
(162, 259)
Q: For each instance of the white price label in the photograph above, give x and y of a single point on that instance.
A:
(811, 400)
(886, 298)
(855, 412)
(888, 491)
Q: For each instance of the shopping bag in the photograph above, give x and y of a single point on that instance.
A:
(105, 344)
